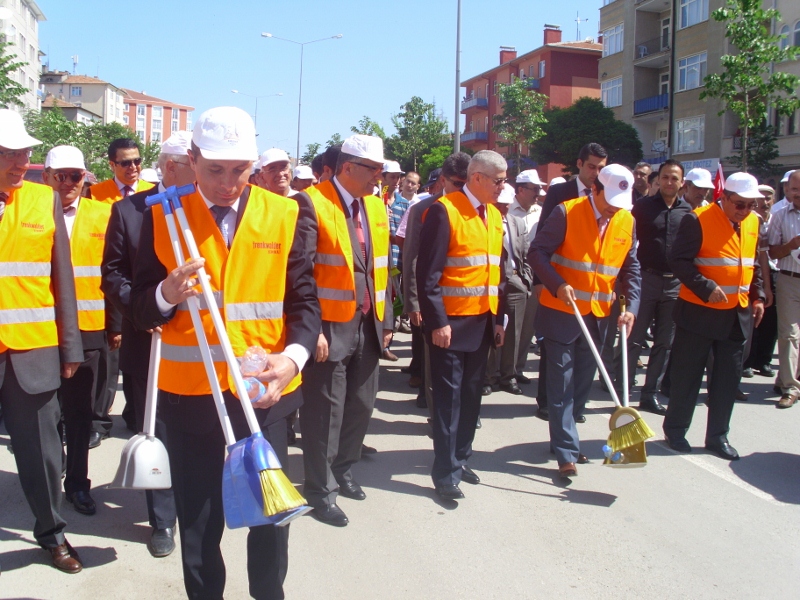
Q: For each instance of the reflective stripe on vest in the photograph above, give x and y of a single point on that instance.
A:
(86, 242)
(190, 354)
(725, 257)
(471, 261)
(252, 311)
(586, 263)
(201, 299)
(27, 231)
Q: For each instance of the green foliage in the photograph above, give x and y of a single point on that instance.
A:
(522, 119)
(311, 151)
(433, 160)
(336, 140)
(745, 85)
(10, 90)
(567, 130)
(762, 149)
(367, 126)
(419, 130)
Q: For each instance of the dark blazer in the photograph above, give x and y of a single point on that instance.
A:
(300, 304)
(342, 336)
(712, 322)
(119, 256)
(522, 281)
(39, 370)
(558, 193)
(411, 252)
(562, 326)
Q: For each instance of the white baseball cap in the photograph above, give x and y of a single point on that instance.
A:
(743, 184)
(272, 155)
(150, 175)
(618, 185)
(392, 166)
(178, 143)
(786, 176)
(64, 157)
(532, 176)
(364, 146)
(556, 180)
(12, 131)
(700, 177)
(507, 195)
(225, 133)
(303, 172)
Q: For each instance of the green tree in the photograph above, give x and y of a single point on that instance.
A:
(522, 119)
(10, 90)
(762, 149)
(311, 151)
(419, 130)
(745, 85)
(567, 130)
(51, 128)
(367, 126)
(336, 140)
(433, 160)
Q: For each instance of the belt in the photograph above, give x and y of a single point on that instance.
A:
(789, 273)
(662, 273)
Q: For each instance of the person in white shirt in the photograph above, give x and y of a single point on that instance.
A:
(276, 172)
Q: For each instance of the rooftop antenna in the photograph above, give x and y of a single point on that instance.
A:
(578, 22)
(74, 58)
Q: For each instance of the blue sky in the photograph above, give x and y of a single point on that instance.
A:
(196, 52)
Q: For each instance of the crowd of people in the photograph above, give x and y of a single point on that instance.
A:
(319, 265)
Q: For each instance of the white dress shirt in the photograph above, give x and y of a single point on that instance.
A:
(472, 199)
(69, 215)
(348, 202)
(530, 217)
(784, 224)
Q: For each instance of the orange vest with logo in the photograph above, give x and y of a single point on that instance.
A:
(86, 243)
(107, 191)
(471, 274)
(724, 258)
(27, 304)
(333, 264)
(588, 264)
(249, 283)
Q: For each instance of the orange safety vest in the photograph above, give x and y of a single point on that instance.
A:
(107, 191)
(86, 243)
(27, 304)
(724, 258)
(254, 288)
(588, 264)
(333, 264)
(471, 273)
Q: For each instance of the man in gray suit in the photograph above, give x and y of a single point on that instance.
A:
(39, 337)
(354, 289)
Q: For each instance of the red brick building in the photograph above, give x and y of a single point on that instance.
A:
(562, 71)
(154, 119)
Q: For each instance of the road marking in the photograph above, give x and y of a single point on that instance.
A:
(729, 477)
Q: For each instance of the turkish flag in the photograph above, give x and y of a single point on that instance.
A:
(719, 182)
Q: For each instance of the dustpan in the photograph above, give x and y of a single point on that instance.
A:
(144, 464)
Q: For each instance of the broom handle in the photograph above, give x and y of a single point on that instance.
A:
(624, 343)
(597, 358)
(151, 402)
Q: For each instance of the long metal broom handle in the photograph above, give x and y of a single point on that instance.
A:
(597, 358)
(623, 308)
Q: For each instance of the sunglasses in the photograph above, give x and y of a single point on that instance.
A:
(127, 163)
(744, 205)
(74, 176)
(456, 182)
(16, 154)
(498, 181)
(374, 169)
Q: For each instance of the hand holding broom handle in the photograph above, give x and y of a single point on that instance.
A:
(597, 357)
(623, 308)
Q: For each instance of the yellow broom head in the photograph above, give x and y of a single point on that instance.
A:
(628, 428)
(278, 492)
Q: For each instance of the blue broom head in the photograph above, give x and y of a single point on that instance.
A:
(262, 453)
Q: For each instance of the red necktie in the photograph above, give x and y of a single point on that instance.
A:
(366, 304)
(126, 191)
(482, 212)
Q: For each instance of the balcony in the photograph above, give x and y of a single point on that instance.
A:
(474, 103)
(651, 104)
(532, 83)
(474, 136)
(655, 6)
(651, 54)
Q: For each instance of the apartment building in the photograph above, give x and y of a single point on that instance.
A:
(562, 71)
(72, 111)
(19, 24)
(94, 95)
(155, 119)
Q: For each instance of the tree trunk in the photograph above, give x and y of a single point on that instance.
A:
(746, 132)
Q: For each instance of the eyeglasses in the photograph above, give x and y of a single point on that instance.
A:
(534, 188)
(180, 162)
(748, 206)
(127, 163)
(75, 176)
(456, 182)
(374, 169)
(16, 154)
(496, 181)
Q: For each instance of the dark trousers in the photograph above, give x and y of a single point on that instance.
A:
(160, 503)
(32, 423)
(416, 368)
(77, 396)
(196, 449)
(765, 336)
(690, 352)
(456, 380)
(106, 391)
(541, 392)
(501, 365)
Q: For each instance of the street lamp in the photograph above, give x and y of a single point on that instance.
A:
(255, 115)
(300, 94)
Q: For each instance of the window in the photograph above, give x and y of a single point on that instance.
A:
(75, 90)
(786, 37)
(486, 124)
(796, 34)
(689, 135)
(156, 137)
(141, 110)
(532, 71)
(665, 31)
(125, 120)
(158, 112)
(156, 125)
(470, 125)
(31, 53)
(140, 125)
(127, 107)
(486, 91)
(791, 124)
(175, 120)
(663, 87)
(778, 123)
(693, 12)
(691, 72)
(140, 133)
(31, 84)
(541, 69)
(494, 89)
(612, 40)
(611, 92)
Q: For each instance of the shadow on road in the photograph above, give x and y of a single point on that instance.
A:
(772, 472)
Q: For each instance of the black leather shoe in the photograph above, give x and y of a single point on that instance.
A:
(748, 373)
(486, 390)
(652, 405)
(469, 476)
(543, 414)
(478, 425)
(330, 515)
(679, 445)
(95, 438)
(367, 449)
(723, 450)
(421, 402)
(449, 492)
(523, 380)
(511, 388)
(162, 542)
(766, 371)
(582, 459)
(581, 419)
(82, 502)
(350, 489)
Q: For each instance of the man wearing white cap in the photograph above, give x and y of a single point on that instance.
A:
(254, 252)
(276, 172)
(784, 201)
(714, 256)
(697, 187)
(392, 173)
(86, 222)
(40, 341)
(122, 243)
(784, 240)
(126, 164)
(303, 178)
(351, 267)
(579, 253)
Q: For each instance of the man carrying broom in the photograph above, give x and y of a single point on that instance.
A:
(253, 248)
(583, 247)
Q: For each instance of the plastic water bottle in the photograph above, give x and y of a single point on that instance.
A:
(254, 361)
(255, 389)
(617, 458)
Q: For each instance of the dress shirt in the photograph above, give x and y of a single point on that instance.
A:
(656, 228)
(121, 186)
(583, 189)
(348, 202)
(472, 199)
(69, 215)
(530, 216)
(783, 226)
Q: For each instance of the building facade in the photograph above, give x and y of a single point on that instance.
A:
(19, 24)
(155, 119)
(94, 95)
(72, 111)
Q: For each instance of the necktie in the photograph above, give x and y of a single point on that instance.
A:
(220, 212)
(737, 229)
(482, 212)
(366, 304)
(602, 223)
(126, 191)
(69, 211)
(3, 198)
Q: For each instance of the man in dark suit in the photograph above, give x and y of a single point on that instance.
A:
(119, 257)
(591, 160)
(458, 277)
(352, 275)
(240, 229)
(714, 256)
(35, 354)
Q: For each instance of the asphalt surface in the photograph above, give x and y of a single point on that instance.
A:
(685, 526)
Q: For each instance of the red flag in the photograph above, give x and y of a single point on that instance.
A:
(719, 182)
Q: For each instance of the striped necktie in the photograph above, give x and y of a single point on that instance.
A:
(366, 304)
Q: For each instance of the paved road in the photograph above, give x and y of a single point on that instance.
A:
(685, 526)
